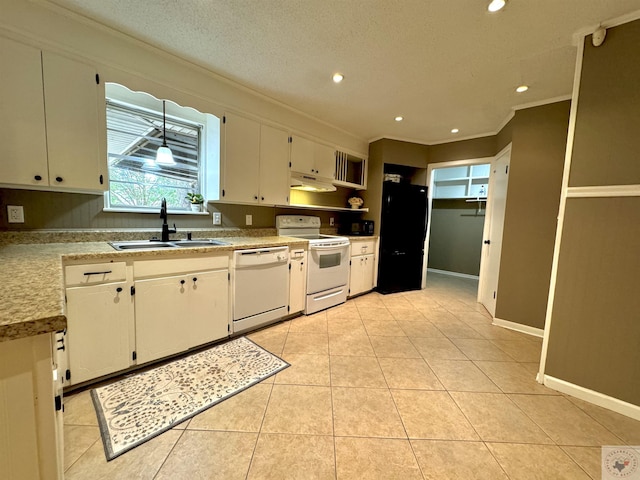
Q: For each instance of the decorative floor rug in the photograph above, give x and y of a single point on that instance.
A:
(138, 408)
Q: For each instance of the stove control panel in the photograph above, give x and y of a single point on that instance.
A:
(297, 221)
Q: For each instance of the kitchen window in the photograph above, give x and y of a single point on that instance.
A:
(134, 134)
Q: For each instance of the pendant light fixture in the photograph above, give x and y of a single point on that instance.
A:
(164, 156)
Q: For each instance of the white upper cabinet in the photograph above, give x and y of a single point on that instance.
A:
(256, 162)
(52, 121)
(76, 124)
(22, 127)
(274, 166)
(312, 158)
(242, 160)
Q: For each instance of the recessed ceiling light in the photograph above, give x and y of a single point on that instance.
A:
(522, 88)
(454, 130)
(399, 119)
(496, 5)
(338, 77)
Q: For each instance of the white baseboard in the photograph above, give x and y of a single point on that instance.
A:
(453, 274)
(518, 327)
(591, 396)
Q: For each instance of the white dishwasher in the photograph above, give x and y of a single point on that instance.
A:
(260, 286)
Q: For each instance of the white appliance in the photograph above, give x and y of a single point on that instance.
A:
(328, 263)
(260, 286)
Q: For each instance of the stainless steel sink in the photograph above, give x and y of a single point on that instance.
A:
(206, 242)
(154, 244)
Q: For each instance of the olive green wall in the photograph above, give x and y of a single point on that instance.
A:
(463, 150)
(594, 334)
(539, 137)
(455, 243)
(594, 337)
(57, 210)
(608, 109)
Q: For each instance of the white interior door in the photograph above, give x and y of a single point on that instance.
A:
(493, 227)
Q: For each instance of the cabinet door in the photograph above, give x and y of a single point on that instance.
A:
(98, 321)
(22, 127)
(356, 276)
(75, 114)
(208, 306)
(368, 270)
(324, 160)
(241, 160)
(302, 155)
(274, 166)
(298, 283)
(162, 317)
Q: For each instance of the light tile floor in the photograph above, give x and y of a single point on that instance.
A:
(411, 385)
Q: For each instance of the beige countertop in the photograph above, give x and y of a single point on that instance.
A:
(31, 276)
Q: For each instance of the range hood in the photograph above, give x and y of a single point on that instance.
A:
(309, 183)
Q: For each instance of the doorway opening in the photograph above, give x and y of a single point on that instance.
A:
(467, 201)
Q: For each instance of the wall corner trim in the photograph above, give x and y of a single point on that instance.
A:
(591, 396)
(518, 327)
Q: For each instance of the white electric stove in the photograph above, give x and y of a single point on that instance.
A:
(328, 265)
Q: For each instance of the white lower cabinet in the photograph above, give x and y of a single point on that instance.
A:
(176, 312)
(98, 320)
(298, 281)
(362, 277)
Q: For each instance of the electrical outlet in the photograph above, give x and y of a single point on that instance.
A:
(15, 214)
(248, 219)
(217, 218)
(332, 221)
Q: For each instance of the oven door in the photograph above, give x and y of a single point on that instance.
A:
(328, 267)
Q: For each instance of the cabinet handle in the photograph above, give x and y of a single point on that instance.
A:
(37, 178)
(195, 279)
(182, 282)
(119, 289)
(97, 273)
(262, 198)
(59, 179)
(255, 197)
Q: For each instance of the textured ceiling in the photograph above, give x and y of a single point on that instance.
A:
(440, 64)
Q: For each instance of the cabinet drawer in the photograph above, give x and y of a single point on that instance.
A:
(363, 247)
(95, 273)
(176, 266)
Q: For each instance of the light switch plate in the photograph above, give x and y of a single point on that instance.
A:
(248, 219)
(15, 214)
(217, 218)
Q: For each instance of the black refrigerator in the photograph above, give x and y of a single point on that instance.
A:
(402, 232)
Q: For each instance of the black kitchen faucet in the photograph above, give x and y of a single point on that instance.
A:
(165, 227)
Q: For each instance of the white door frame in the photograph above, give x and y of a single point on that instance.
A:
(487, 224)
(430, 183)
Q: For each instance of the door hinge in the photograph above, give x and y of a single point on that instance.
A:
(289, 164)
(288, 308)
(290, 141)
(65, 299)
(133, 290)
(58, 402)
(229, 276)
(134, 355)
(494, 294)
(67, 374)
(349, 262)
(224, 119)
(289, 266)
(506, 170)
(223, 192)
(98, 78)
(101, 180)
(228, 328)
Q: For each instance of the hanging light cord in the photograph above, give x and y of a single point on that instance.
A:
(164, 124)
